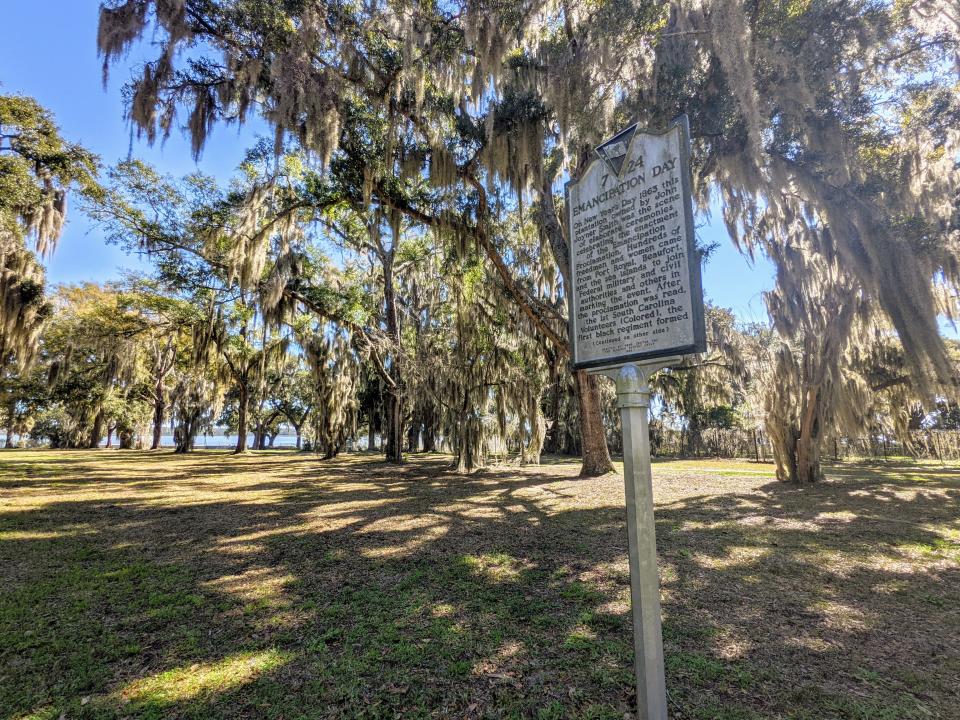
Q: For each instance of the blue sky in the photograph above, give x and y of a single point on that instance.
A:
(64, 74)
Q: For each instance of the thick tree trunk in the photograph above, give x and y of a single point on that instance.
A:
(464, 462)
(96, 432)
(299, 437)
(808, 442)
(596, 455)
(413, 436)
(185, 435)
(551, 443)
(796, 448)
(11, 414)
(394, 400)
(694, 436)
(163, 362)
(158, 409)
(243, 403)
(109, 437)
(393, 445)
(429, 438)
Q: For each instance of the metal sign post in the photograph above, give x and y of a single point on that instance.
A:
(633, 399)
(636, 306)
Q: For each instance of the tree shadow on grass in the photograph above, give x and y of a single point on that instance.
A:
(839, 593)
(352, 589)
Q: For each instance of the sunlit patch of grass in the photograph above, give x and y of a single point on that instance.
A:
(496, 567)
(404, 536)
(836, 516)
(580, 638)
(841, 615)
(742, 473)
(258, 584)
(200, 679)
(735, 555)
(443, 610)
(502, 658)
(892, 587)
(935, 548)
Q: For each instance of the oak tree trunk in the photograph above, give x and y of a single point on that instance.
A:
(429, 436)
(186, 433)
(11, 413)
(96, 433)
(394, 397)
(809, 440)
(242, 418)
(413, 436)
(393, 445)
(596, 455)
(158, 408)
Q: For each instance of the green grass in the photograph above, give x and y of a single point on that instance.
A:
(274, 585)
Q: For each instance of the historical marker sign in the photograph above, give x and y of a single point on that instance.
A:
(634, 269)
(636, 301)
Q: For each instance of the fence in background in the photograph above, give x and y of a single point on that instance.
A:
(943, 445)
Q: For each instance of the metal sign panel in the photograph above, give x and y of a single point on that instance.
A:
(634, 269)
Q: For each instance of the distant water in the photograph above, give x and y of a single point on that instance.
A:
(224, 441)
(220, 441)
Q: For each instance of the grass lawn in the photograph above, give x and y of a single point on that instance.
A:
(275, 585)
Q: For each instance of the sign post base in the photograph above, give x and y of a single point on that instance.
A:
(633, 399)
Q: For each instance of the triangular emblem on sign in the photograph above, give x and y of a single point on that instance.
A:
(614, 151)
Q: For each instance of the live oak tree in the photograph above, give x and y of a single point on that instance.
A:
(335, 372)
(835, 122)
(295, 396)
(37, 170)
(478, 378)
(250, 245)
(850, 190)
(108, 357)
(716, 378)
(370, 63)
(95, 361)
(25, 394)
(250, 350)
(166, 320)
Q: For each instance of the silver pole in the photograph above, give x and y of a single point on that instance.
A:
(633, 399)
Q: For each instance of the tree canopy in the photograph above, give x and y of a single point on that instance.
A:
(402, 233)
